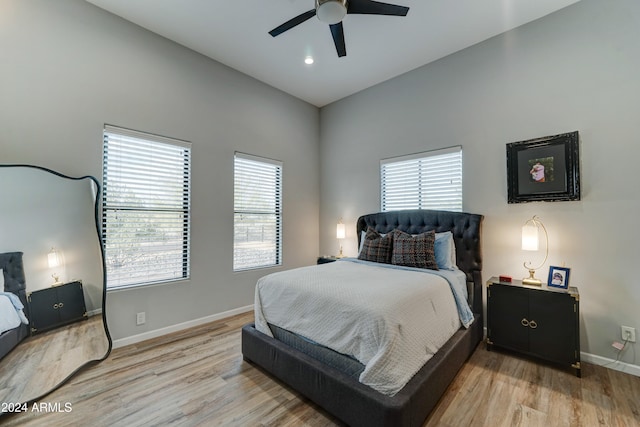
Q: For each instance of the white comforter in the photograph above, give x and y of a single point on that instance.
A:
(11, 314)
(392, 321)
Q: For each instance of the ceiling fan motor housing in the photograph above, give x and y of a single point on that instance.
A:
(331, 11)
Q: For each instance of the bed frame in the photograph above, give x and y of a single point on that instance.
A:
(345, 397)
(12, 266)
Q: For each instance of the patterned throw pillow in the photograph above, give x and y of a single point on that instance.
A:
(414, 251)
(376, 248)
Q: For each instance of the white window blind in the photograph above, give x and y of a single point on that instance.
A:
(429, 180)
(146, 207)
(257, 219)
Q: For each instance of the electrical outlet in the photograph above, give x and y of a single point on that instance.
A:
(141, 318)
(628, 333)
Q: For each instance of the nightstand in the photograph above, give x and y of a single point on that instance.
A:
(56, 306)
(326, 259)
(538, 321)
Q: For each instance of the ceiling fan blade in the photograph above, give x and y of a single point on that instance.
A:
(369, 7)
(292, 23)
(338, 38)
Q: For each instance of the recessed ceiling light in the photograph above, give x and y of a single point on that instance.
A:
(308, 60)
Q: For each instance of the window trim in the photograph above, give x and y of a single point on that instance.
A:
(418, 156)
(278, 211)
(185, 210)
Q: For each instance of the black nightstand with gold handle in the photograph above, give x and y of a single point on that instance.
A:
(535, 320)
(326, 259)
(56, 306)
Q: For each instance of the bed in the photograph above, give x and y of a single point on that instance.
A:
(336, 386)
(14, 283)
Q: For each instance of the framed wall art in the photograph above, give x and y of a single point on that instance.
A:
(544, 169)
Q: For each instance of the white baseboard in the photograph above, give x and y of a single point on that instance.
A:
(180, 326)
(603, 361)
(585, 357)
(627, 368)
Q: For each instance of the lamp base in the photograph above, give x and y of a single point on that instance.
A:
(56, 280)
(531, 280)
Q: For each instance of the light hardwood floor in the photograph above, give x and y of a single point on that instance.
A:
(36, 365)
(197, 378)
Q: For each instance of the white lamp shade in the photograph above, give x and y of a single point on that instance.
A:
(341, 231)
(530, 240)
(53, 259)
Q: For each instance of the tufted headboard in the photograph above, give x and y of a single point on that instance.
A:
(13, 270)
(466, 229)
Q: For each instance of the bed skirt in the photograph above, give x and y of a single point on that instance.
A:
(348, 399)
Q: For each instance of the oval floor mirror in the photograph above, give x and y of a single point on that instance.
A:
(52, 281)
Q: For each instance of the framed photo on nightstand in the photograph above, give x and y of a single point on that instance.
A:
(558, 277)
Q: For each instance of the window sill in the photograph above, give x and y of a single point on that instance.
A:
(147, 285)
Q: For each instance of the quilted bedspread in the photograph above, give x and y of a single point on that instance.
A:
(391, 320)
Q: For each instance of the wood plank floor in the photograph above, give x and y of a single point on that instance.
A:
(36, 365)
(197, 377)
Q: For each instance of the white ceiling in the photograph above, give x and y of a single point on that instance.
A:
(235, 33)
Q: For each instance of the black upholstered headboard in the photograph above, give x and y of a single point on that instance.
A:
(13, 270)
(466, 229)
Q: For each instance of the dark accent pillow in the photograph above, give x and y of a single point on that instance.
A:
(376, 248)
(414, 251)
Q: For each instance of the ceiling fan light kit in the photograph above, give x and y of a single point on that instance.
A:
(332, 12)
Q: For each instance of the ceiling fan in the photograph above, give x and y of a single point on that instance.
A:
(333, 11)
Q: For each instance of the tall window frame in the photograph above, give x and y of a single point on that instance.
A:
(146, 208)
(257, 212)
(426, 180)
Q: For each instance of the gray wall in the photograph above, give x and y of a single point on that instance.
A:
(67, 68)
(40, 210)
(576, 69)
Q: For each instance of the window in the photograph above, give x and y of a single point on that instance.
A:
(146, 208)
(430, 180)
(257, 212)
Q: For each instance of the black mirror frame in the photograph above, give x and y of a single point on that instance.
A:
(104, 276)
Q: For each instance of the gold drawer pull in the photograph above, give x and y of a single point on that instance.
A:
(524, 322)
(533, 324)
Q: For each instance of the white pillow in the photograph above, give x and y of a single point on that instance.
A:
(362, 234)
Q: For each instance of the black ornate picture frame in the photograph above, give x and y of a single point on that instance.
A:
(544, 169)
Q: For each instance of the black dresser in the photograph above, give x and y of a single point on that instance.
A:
(538, 321)
(56, 306)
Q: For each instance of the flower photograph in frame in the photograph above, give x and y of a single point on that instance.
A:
(544, 169)
(558, 277)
